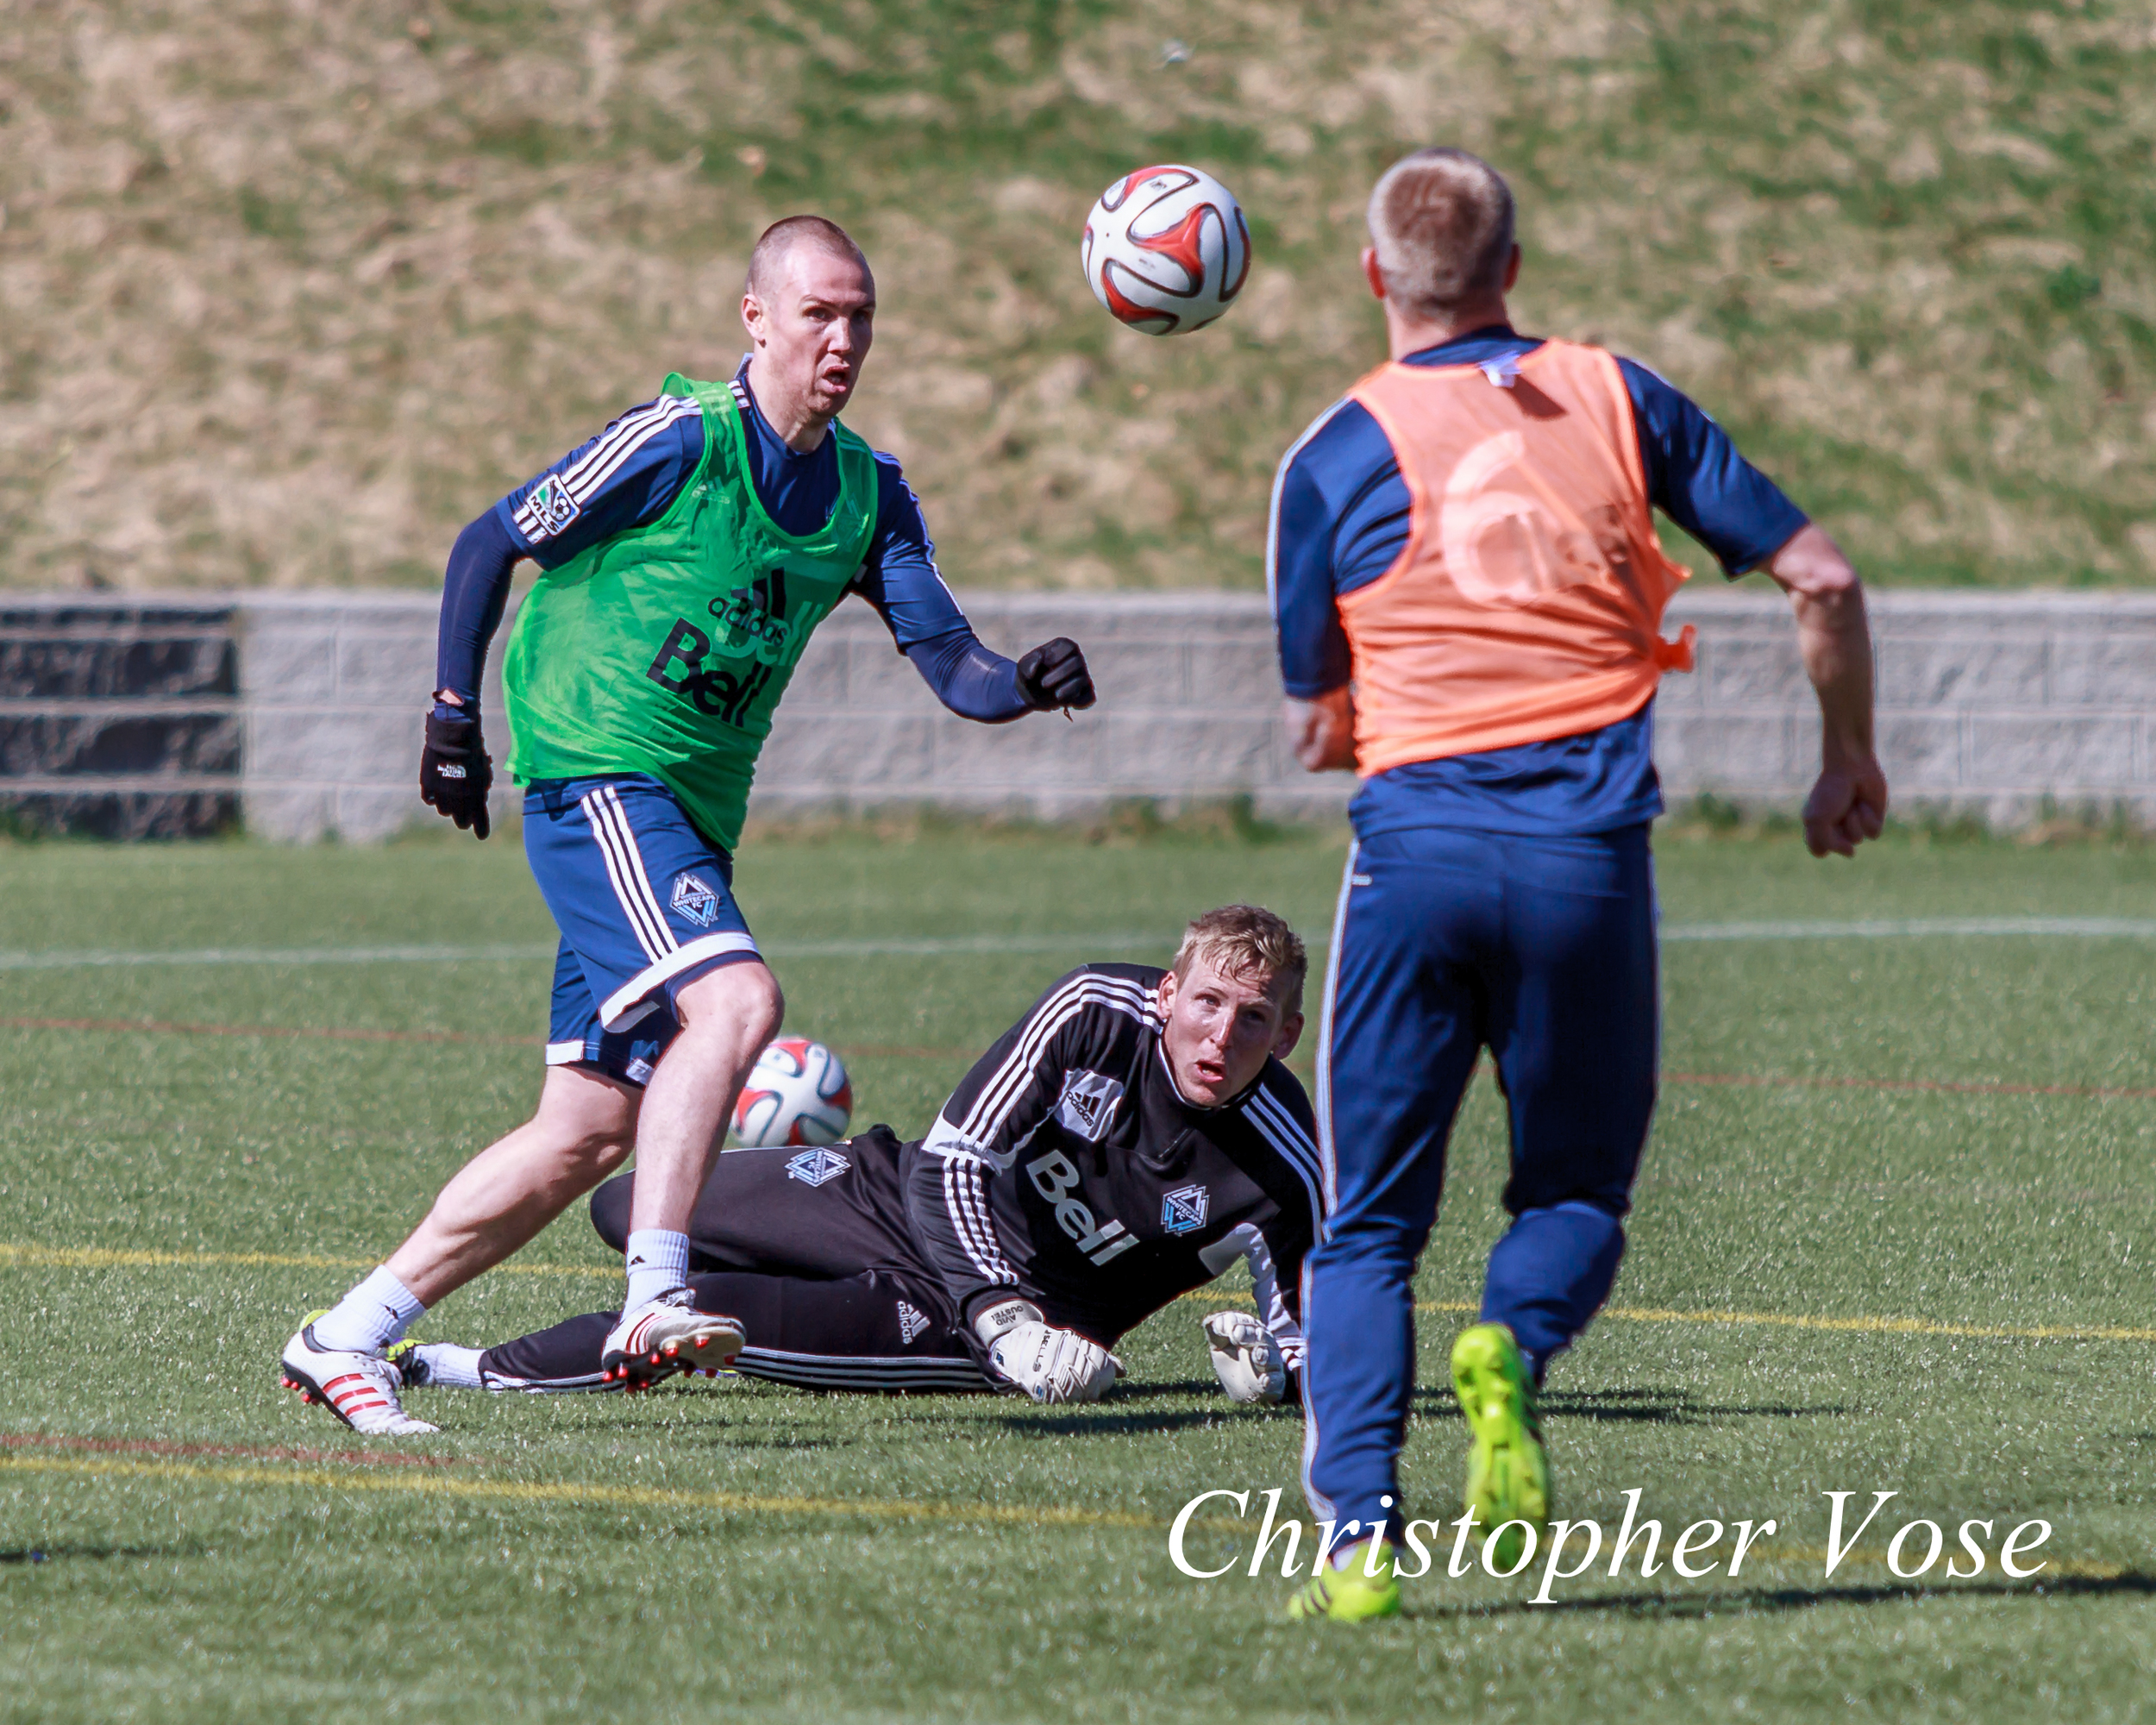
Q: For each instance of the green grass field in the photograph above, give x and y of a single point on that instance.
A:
(1856, 1131)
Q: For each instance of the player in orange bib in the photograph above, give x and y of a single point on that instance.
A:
(1469, 592)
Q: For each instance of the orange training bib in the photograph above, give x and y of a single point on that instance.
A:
(1528, 602)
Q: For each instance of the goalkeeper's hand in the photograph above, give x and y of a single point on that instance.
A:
(1054, 674)
(1246, 1357)
(454, 772)
(1051, 1365)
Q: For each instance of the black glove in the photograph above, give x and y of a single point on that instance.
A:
(1054, 674)
(454, 772)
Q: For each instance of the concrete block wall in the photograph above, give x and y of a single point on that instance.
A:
(304, 710)
(1994, 704)
(120, 717)
(335, 687)
(1188, 712)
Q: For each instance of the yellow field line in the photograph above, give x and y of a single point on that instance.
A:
(101, 1257)
(653, 1498)
(604, 1496)
(2081, 1569)
(1910, 1326)
(1893, 1326)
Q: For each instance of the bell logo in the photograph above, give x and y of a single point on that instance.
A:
(1055, 1176)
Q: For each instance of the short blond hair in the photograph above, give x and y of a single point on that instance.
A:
(1442, 221)
(778, 240)
(1246, 942)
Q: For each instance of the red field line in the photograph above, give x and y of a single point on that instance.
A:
(333, 1033)
(45, 1441)
(159, 1028)
(1947, 1086)
(1954, 1087)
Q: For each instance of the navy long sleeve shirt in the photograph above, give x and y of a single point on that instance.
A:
(629, 474)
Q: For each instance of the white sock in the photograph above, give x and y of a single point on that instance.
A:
(658, 1263)
(371, 1317)
(450, 1367)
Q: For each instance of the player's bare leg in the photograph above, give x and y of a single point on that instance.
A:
(499, 1201)
(727, 1016)
(502, 1198)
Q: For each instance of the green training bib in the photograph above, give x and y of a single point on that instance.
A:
(665, 648)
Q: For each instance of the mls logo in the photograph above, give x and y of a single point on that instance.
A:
(695, 900)
(814, 1166)
(1088, 1104)
(1183, 1211)
(912, 1321)
(550, 502)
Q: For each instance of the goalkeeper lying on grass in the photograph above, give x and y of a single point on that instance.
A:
(1132, 1137)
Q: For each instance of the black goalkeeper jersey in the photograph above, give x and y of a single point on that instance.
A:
(1067, 1168)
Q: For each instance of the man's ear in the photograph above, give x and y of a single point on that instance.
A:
(1290, 1034)
(1372, 273)
(752, 318)
(1167, 993)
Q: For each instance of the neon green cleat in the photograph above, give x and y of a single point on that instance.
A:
(1507, 1474)
(1349, 1594)
(404, 1355)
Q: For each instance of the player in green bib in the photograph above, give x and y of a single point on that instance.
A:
(686, 555)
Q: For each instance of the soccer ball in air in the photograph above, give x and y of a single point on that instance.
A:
(797, 1093)
(1166, 249)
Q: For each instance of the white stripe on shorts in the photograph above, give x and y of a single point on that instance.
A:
(625, 869)
(621, 1007)
(1328, 1161)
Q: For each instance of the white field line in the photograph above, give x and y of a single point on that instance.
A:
(1126, 940)
(1920, 928)
(925, 947)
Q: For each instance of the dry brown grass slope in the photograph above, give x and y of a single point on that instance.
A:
(289, 291)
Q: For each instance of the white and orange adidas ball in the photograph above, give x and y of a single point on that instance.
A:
(797, 1093)
(1166, 249)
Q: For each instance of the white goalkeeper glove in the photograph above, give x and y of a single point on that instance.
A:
(1051, 1365)
(1246, 1357)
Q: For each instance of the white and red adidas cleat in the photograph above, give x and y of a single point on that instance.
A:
(667, 1335)
(359, 1388)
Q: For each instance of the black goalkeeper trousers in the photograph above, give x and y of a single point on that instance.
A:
(808, 1249)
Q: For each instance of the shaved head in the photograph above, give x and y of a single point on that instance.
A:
(766, 263)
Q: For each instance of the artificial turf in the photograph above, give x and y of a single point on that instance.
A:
(178, 1539)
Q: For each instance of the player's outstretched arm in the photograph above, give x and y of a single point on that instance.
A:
(899, 578)
(983, 686)
(1848, 804)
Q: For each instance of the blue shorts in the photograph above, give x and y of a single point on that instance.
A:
(645, 904)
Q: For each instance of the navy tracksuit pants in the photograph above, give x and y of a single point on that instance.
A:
(1543, 950)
